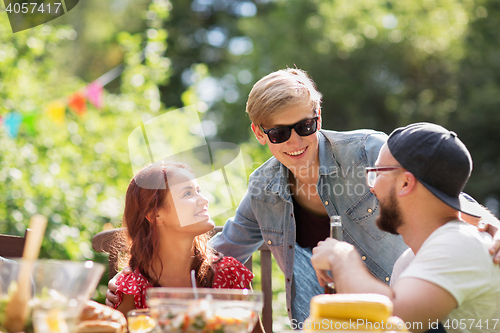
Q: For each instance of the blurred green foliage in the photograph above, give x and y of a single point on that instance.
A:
(379, 64)
(75, 172)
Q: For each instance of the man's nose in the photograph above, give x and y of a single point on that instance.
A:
(294, 138)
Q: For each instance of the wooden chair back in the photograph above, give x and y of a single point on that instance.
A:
(104, 242)
(12, 246)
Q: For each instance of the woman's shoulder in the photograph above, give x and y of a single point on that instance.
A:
(231, 274)
(130, 283)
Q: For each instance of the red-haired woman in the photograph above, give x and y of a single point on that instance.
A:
(166, 219)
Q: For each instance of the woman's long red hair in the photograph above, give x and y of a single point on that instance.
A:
(146, 194)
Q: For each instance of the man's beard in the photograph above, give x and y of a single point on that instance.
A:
(390, 217)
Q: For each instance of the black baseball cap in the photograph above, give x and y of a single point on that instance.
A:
(438, 159)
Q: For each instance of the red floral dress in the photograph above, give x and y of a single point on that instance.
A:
(229, 274)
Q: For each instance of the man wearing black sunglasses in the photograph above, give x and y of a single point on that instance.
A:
(314, 174)
(281, 134)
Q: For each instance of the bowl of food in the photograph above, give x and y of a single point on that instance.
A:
(49, 293)
(186, 310)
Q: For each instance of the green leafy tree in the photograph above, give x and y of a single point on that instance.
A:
(73, 171)
(379, 64)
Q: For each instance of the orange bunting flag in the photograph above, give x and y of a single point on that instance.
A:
(77, 103)
(57, 112)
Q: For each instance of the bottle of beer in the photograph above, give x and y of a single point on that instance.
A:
(335, 232)
(336, 227)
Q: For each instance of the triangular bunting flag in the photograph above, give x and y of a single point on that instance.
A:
(77, 103)
(94, 94)
(12, 123)
(56, 111)
(29, 122)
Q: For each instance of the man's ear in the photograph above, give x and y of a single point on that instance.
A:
(257, 131)
(407, 182)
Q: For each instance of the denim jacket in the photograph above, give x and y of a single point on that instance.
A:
(266, 214)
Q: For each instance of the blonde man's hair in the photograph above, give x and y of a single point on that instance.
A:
(278, 90)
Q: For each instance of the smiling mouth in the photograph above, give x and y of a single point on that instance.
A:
(296, 153)
(203, 212)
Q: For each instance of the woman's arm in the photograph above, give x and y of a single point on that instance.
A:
(127, 304)
(111, 298)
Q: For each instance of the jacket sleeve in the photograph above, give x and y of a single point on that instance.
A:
(373, 143)
(241, 236)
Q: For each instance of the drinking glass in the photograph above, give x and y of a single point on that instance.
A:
(140, 321)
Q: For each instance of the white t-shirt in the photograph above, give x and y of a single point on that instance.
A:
(456, 258)
(400, 265)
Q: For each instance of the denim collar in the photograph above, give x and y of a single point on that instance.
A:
(327, 165)
(327, 161)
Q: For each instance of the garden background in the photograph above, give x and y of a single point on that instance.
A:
(379, 64)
